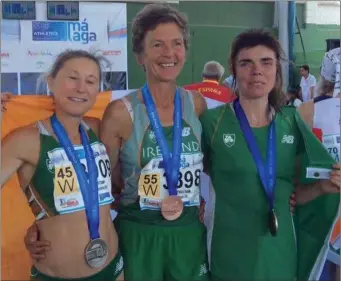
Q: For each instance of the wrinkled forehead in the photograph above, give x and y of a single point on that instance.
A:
(165, 32)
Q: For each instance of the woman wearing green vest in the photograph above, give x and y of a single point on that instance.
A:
(64, 172)
(251, 147)
(154, 134)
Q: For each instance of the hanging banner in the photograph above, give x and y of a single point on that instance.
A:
(29, 48)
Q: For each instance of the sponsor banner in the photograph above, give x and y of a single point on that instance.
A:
(29, 48)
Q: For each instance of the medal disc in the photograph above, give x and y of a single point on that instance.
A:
(273, 223)
(172, 207)
(96, 253)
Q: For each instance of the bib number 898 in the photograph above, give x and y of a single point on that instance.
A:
(187, 179)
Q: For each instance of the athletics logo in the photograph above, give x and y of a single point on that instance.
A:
(229, 139)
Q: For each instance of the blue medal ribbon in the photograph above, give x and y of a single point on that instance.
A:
(171, 161)
(267, 170)
(87, 180)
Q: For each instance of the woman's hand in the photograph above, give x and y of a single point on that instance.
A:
(333, 184)
(202, 210)
(36, 248)
(307, 192)
(5, 98)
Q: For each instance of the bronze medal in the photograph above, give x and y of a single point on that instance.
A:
(172, 207)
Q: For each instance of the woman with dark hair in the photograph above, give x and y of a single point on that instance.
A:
(250, 148)
(59, 162)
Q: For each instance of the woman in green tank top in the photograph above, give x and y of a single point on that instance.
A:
(53, 159)
(251, 147)
(155, 246)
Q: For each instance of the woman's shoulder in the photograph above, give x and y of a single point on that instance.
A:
(212, 117)
(288, 110)
(22, 139)
(216, 112)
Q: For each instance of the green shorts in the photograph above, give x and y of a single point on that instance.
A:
(152, 252)
(108, 273)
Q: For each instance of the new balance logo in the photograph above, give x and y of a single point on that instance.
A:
(288, 139)
(119, 266)
(203, 270)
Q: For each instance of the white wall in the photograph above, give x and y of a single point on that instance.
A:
(323, 12)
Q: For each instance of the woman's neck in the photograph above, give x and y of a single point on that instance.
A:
(257, 111)
(70, 124)
(163, 93)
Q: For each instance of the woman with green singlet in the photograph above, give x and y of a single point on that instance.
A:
(251, 147)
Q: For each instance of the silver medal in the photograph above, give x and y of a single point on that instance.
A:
(96, 253)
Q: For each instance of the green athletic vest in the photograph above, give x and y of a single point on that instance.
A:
(240, 244)
(54, 188)
(142, 166)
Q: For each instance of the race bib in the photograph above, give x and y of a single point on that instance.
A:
(332, 144)
(67, 193)
(65, 181)
(152, 186)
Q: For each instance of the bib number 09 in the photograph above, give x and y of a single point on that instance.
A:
(104, 167)
(187, 179)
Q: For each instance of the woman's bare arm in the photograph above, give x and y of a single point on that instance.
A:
(19, 147)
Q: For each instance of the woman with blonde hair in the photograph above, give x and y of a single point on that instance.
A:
(65, 173)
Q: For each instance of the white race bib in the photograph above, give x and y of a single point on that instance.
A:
(67, 193)
(332, 144)
(152, 186)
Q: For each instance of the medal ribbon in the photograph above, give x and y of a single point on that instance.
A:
(171, 161)
(87, 180)
(266, 171)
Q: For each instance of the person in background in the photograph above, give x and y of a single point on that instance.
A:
(308, 84)
(214, 93)
(293, 98)
(322, 115)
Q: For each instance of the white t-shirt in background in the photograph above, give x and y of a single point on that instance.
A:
(305, 85)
